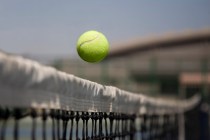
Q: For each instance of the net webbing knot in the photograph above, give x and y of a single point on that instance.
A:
(65, 119)
(87, 117)
(132, 126)
(105, 116)
(121, 126)
(58, 117)
(111, 119)
(96, 117)
(52, 115)
(18, 114)
(77, 118)
(71, 117)
(33, 116)
(100, 117)
(44, 119)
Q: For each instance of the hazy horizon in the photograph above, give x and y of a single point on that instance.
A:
(51, 28)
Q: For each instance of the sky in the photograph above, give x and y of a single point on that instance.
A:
(52, 27)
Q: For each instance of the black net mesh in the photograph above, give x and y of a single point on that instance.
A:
(69, 125)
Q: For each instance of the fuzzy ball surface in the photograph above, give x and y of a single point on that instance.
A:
(92, 46)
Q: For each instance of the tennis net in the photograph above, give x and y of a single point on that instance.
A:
(39, 102)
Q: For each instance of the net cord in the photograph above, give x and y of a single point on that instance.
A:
(26, 83)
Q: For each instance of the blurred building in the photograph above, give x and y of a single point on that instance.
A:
(171, 65)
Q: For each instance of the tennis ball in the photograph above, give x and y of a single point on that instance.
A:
(92, 46)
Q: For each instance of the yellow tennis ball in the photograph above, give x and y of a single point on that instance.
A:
(92, 46)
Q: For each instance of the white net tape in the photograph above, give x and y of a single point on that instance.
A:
(26, 83)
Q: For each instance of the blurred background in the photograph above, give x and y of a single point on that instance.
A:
(158, 48)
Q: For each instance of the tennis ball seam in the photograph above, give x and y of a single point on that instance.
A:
(87, 41)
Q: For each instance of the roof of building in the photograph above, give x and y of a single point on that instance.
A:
(163, 41)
